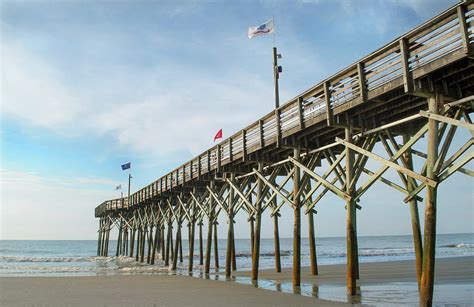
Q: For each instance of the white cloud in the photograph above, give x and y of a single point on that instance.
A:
(32, 90)
(38, 207)
(161, 120)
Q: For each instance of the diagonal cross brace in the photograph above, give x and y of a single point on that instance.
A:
(241, 195)
(390, 164)
(397, 155)
(323, 181)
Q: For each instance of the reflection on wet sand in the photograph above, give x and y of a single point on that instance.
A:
(389, 293)
(380, 283)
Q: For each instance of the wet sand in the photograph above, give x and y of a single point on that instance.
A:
(448, 270)
(391, 282)
(380, 283)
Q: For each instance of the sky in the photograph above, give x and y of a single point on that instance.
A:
(89, 85)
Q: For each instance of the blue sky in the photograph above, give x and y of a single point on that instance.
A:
(89, 85)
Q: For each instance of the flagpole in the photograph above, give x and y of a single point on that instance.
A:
(275, 67)
(275, 77)
(129, 178)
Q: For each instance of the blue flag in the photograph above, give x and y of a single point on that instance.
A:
(125, 166)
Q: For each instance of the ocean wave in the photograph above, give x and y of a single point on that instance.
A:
(460, 245)
(47, 259)
(48, 269)
(283, 253)
(369, 252)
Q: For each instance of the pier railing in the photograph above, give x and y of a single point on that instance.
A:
(440, 41)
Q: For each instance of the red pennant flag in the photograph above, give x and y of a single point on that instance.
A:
(218, 135)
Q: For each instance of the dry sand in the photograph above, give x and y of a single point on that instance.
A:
(454, 279)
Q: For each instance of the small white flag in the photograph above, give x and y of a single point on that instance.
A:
(119, 187)
(264, 29)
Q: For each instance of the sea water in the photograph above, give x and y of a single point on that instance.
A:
(70, 258)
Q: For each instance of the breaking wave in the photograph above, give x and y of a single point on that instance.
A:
(460, 245)
(48, 259)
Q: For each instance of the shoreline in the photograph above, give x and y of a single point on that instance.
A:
(380, 282)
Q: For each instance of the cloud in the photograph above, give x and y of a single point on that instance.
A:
(38, 207)
(32, 90)
(162, 119)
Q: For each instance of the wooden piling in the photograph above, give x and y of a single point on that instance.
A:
(132, 240)
(351, 252)
(176, 249)
(311, 237)
(296, 276)
(276, 236)
(428, 268)
(180, 247)
(125, 242)
(102, 244)
(119, 239)
(168, 242)
(162, 243)
(107, 237)
(415, 218)
(201, 250)
(99, 239)
(209, 234)
(312, 244)
(139, 240)
(171, 243)
(143, 243)
(234, 260)
(252, 234)
(216, 247)
(155, 243)
(230, 232)
(258, 224)
(191, 246)
(150, 245)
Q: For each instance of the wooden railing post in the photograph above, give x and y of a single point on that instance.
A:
(407, 76)
(327, 99)
(278, 126)
(461, 11)
(362, 81)
(300, 113)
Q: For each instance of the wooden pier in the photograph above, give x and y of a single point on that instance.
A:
(420, 85)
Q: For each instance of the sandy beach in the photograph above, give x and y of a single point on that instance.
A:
(379, 283)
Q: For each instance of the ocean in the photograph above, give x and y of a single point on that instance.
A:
(78, 258)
